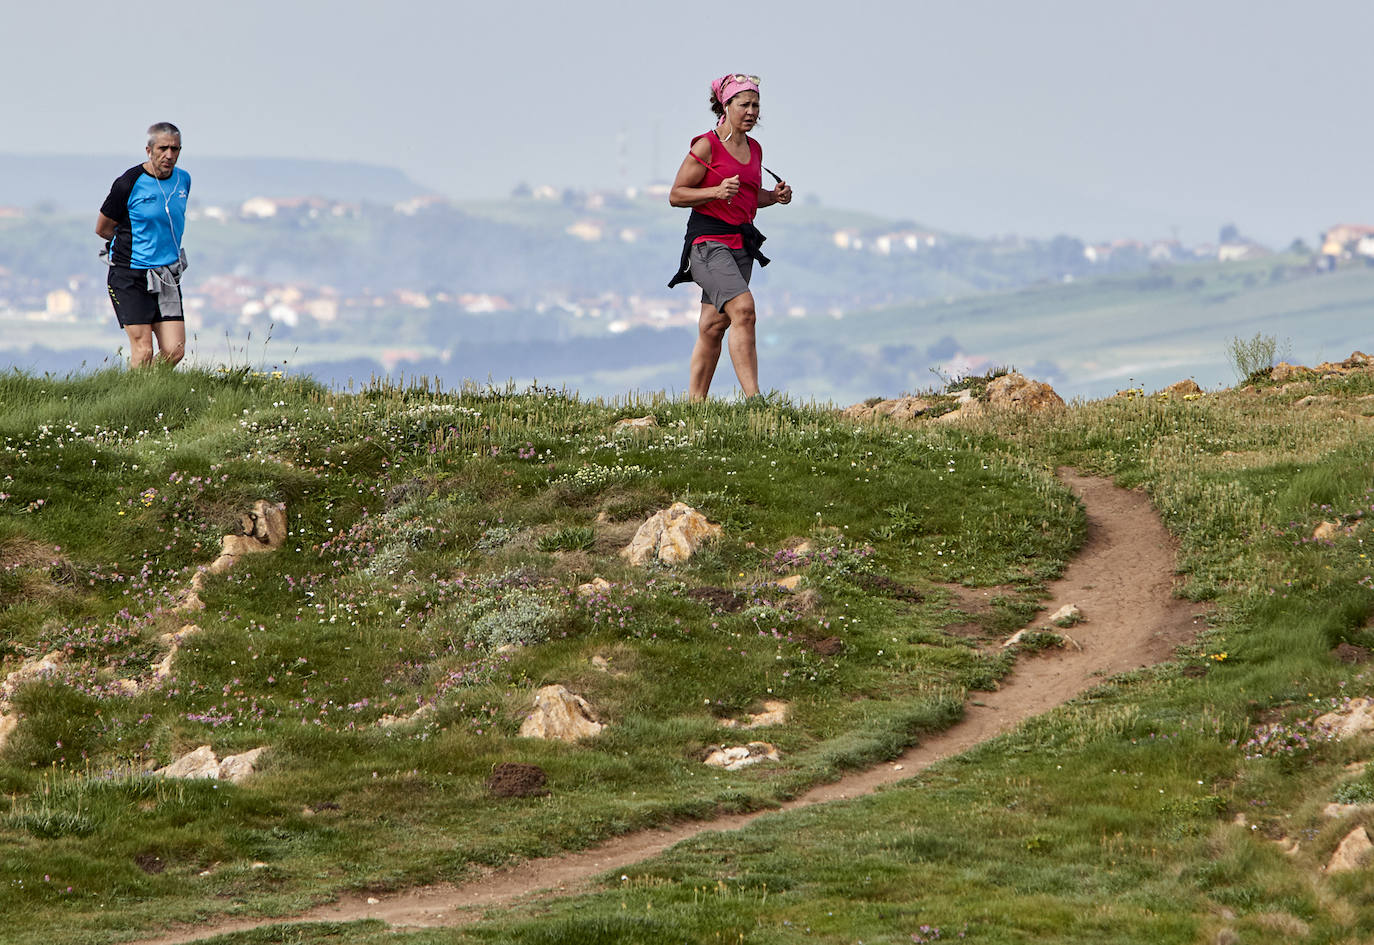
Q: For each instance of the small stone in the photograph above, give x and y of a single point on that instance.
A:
(388, 721)
(597, 585)
(1326, 531)
(741, 756)
(774, 713)
(1068, 613)
(634, 424)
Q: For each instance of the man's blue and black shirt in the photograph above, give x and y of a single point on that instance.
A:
(150, 215)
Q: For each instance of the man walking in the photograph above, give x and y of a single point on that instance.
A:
(142, 222)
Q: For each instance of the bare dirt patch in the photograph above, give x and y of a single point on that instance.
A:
(974, 610)
(23, 553)
(976, 601)
(1122, 580)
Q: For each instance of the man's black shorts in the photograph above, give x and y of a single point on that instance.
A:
(133, 303)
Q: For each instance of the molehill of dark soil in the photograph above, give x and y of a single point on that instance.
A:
(512, 779)
(1350, 653)
(150, 863)
(827, 646)
(718, 598)
(884, 586)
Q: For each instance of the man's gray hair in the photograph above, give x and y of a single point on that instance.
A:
(162, 128)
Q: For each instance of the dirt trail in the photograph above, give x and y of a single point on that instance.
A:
(1122, 580)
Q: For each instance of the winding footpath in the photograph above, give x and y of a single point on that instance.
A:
(1122, 580)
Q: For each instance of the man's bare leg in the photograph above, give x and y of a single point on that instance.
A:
(140, 345)
(706, 352)
(171, 341)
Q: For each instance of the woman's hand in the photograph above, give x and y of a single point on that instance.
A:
(728, 188)
(780, 194)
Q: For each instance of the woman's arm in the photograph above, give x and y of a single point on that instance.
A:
(780, 194)
(687, 190)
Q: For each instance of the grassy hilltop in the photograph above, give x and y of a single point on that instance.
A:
(435, 545)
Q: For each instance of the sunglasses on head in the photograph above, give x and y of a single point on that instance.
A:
(740, 77)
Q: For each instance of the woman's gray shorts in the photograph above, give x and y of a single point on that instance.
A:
(722, 272)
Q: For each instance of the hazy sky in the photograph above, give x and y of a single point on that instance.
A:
(1098, 118)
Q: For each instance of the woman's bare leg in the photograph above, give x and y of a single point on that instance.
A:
(706, 352)
(744, 353)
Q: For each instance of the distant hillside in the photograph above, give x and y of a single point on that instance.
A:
(76, 183)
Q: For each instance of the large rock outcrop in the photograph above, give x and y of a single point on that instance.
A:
(560, 714)
(672, 536)
(1009, 392)
(262, 528)
(1017, 392)
(1354, 852)
(1354, 718)
(1358, 362)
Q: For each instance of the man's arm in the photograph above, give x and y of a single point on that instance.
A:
(105, 227)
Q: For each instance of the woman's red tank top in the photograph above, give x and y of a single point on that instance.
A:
(744, 205)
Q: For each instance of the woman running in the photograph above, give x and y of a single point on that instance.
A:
(721, 179)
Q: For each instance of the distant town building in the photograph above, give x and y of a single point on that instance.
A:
(1345, 239)
(1238, 251)
(61, 305)
(419, 204)
(589, 230)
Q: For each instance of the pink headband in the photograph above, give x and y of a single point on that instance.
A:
(728, 86)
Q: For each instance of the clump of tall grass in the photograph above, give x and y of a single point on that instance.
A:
(1252, 357)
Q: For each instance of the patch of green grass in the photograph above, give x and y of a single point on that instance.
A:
(569, 538)
(424, 528)
(410, 562)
